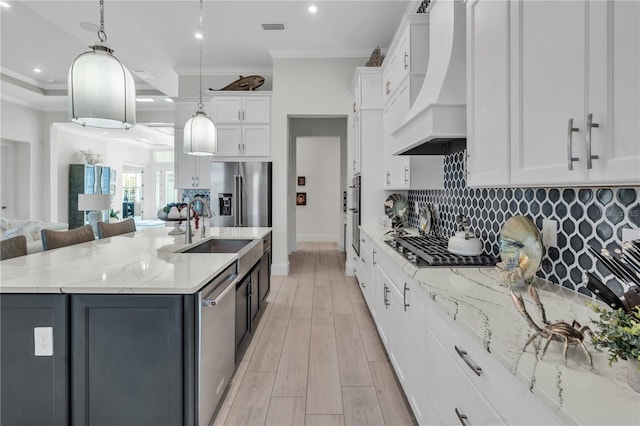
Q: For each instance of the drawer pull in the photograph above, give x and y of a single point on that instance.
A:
(465, 357)
(404, 295)
(374, 258)
(462, 417)
(386, 298)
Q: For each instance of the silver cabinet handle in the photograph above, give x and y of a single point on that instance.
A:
(196, 180)
(354, 210)
(244, 150)
(404, 296)
(570, 131)
(386, 299)
(239, 150)
(462, 417)
(354, 165)
(244, 115)
(406, 179)
(238, 115)
(374, 258)
(465, 357)
(388, 88)
(192, 181)
(406, 60)
(388, 178)
(363, 284)
(362, 259)
(466, 163)
(590, 125)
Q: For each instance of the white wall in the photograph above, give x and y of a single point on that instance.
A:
(319, 220)
(302, 87)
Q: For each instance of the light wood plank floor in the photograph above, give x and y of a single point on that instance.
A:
(315, 358)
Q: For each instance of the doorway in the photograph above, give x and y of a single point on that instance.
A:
(317, 127)
(132, 191)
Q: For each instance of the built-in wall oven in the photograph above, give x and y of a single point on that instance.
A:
(355, 213)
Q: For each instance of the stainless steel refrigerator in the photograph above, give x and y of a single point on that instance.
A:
(241, 193)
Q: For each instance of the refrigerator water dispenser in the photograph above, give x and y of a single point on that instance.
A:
(224, 202)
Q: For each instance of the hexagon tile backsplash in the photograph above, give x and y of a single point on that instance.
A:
(586, 217)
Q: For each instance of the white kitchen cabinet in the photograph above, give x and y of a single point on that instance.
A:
(247, 140)
(242, 109)
(191, 172)
(364, 272)
(356, 151)
(454, 396)
(575, 63)
(402, 172)
(381, 303)
(488, 103)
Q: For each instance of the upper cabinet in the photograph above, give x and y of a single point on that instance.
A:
(573, 111)
(403, 72)
(243, 124)
(488, 103)
(191, 172)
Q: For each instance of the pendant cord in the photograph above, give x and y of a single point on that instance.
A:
(101, 34)
(200, 104)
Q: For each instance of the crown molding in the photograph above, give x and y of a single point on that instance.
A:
(195, 71)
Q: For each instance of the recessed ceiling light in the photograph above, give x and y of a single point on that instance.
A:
(198, 36)
(168, 100)
(144, 100)
(5, 4)
(313, 9)
(49, 80)
(38, 70)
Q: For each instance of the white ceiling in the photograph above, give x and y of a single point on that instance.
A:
(158, 37)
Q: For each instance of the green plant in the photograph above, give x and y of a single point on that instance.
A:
(114, 214)
(618, 332)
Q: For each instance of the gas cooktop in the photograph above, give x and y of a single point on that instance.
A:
(429, 250)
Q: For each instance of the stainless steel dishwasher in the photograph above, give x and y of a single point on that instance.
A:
(215, 344)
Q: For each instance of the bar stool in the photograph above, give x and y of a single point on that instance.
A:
(106, 230)
(56, 239)
(13, 247)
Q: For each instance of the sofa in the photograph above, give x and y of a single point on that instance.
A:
(30, 229)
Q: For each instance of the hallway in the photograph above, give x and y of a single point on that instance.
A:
(316, 358)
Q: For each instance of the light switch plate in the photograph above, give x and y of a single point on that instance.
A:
(549, 233)
(43, 339)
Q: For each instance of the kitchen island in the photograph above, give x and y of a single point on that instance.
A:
(125, 327)
(468, 309)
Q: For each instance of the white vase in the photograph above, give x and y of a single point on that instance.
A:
(633, 374)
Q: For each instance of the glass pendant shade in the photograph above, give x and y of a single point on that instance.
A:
(102, 92)
(200, 135)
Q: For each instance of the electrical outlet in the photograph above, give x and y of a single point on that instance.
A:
(629, 234)
(43, 339)
(549, 233)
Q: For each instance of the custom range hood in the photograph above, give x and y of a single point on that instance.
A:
(437, 121)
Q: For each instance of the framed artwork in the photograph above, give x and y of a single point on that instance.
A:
(301, 199)
(301, 180)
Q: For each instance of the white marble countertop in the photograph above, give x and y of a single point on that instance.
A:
(473, 298)
(144, 262)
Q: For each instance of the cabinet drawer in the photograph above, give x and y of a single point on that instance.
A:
(392, 269)
(510, 398)
(451, 391)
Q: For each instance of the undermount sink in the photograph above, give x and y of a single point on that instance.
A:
(219, 246)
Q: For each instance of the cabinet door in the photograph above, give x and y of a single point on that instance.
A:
(416, 390)
(256, 140)
(265, 277)
(254, 296)
(488, 107)
(400, 332)
(243, 322)
(382, 303)
(203, 167)
(256, 109)
(614, 92)
(34, 389)
(229, 140)
(548, 89)
(127, 360)
(227, 109)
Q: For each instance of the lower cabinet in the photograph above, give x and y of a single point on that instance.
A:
(33, 389)
(127, 360)
(249, 306)
(435, 358)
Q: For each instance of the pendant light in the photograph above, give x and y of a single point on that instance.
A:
(199, 131)
(102, 92)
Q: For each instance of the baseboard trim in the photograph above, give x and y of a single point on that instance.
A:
(310, 238)
(280, 269)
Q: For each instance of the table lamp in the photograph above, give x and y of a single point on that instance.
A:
(93, 203)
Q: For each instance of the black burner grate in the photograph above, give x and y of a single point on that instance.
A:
(433, 251)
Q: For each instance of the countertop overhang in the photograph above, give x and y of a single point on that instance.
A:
(144, 262)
